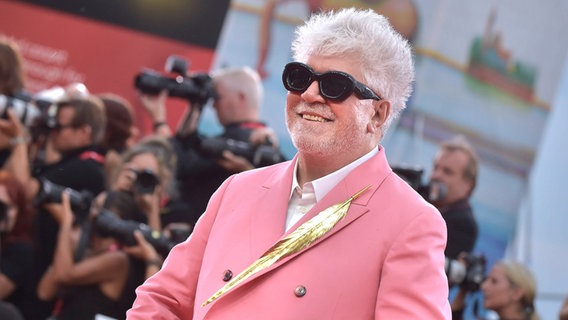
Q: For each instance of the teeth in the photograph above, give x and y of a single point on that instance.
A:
(313, 118)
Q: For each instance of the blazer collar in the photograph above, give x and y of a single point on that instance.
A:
(372, 172)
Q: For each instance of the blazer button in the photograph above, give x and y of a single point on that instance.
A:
(300, 291)
(227, 275)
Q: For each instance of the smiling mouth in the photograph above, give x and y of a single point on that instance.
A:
(310, 117)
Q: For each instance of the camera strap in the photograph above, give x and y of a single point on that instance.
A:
(87, 226)
(83, 240)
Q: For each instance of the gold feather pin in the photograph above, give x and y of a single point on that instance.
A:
(299, 239)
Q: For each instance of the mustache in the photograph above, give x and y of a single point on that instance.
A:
(317, 108)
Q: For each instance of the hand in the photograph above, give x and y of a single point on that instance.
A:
(234, 163)
(13, 126)
(262, 135)
(155, 105)
(149, 203)
(143, 250)
(62, 212)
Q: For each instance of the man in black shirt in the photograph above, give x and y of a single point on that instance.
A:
(456, 168)
(205, 162)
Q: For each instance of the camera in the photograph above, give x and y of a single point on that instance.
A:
(432, 191)
(36, 112)
(50, 192)
(24, 109)
(468, 276)
(146, 181)
(198, 88)
(107, 224)
(260, 156)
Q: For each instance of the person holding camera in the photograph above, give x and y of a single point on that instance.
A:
(77, 127)
(452, 180)
(88, 284)
(16, 247)
(205, 162)
(509, 290)
(143, 182)
(332, 233)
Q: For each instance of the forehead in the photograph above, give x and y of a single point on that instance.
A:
(143, 160)
(498, 272)
(347, 65)
(455, 157)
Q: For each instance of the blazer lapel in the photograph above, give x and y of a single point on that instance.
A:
(377, 168)
(268, 221)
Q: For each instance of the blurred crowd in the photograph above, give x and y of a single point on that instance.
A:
(89, 206)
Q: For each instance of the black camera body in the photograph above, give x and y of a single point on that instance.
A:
(146, 181)
(50, 192)
(260, 156)
(107, 224)
(468, 276)
(431, 192)
(198, 88)
(27, 111)
(36, 112)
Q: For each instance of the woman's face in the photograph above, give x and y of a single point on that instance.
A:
(11, 210)
(127, 176)
(498, 292)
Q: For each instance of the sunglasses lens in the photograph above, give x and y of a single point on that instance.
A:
(297, 78)
(336, 86)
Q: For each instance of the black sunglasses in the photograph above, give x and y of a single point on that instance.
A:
(335, 86)
(58, 126)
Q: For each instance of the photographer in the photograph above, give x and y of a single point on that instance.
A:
(204, 163)
(454, 174)
(509, 290)
(89, 285)
(79, 125)
(144, 181)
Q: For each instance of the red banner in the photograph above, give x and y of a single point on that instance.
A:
(60, 48)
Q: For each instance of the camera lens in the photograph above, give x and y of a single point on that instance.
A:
(146, 181)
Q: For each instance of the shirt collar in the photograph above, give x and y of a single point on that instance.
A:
(324, 184)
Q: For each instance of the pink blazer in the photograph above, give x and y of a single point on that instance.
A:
(384, 260)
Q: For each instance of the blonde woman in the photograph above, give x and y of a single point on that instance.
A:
(509, 290)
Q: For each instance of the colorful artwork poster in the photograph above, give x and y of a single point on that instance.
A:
(105, 44)
(483, 70)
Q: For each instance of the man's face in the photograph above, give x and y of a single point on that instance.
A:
(325, 128)
(66, 136)
(449, 167)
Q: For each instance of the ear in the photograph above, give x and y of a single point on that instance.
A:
(518, 294)
(381, 110)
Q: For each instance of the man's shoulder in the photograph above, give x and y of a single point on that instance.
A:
(265, 172)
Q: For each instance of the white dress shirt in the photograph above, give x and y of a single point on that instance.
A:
(302, 199)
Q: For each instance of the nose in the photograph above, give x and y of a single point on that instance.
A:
(312, 94)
